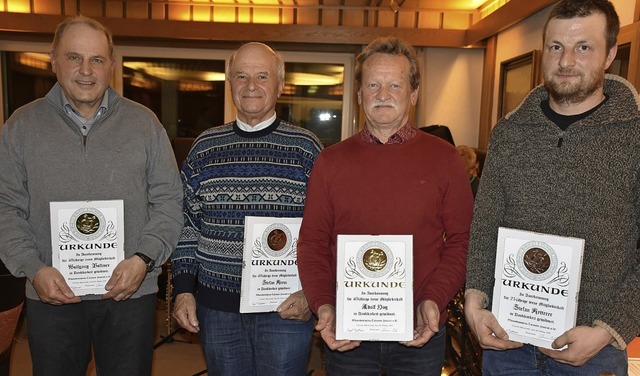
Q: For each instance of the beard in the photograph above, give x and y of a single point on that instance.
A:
(573, 92)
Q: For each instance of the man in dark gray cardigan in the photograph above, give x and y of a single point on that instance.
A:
(566, 162)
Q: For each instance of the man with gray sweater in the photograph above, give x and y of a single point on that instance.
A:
(566, 162)
(84, 142)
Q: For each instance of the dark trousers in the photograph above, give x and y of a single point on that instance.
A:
(121, 333)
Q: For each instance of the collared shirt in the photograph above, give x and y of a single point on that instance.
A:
(83, 124)
(404, 134)
(262, 125)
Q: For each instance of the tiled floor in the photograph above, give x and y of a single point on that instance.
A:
(181, 356)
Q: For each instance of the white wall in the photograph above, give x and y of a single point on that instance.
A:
(625, 9)
(451, 86)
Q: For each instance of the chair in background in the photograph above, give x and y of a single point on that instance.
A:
(441, 131)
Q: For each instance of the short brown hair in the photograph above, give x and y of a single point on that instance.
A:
(567, 9)
(391, 46)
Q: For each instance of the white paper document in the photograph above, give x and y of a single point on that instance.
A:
(87, 242)
(269, 266)
(375, 288)
(537, 281)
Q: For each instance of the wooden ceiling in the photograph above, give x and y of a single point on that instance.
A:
(438, 23)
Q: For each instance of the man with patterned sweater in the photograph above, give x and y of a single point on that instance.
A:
(257, 165)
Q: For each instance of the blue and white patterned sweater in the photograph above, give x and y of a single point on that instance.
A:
(228, 175)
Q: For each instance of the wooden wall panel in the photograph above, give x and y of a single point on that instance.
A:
(91, 8)
(307, 16)
(287, 16)
(429, 20)
(330, 17)
(159, 12)
(386, 18)
(178, 12)
(456, 21)
(631, 34)
(115, 10)
(353, 18)
(486, 101)
(47, 7)
(70, 7)
(242, 15)
(406, 19)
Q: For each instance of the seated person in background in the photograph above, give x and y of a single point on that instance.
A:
(470, 158)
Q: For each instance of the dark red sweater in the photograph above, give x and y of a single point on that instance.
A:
(417, 188)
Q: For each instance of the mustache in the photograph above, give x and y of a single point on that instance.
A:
(568, 72)
(383, 104)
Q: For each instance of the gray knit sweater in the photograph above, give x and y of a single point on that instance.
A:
(588, 187)
(126, 155)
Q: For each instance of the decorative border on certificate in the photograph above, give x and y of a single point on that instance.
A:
(87, 242)
(535, 297)
(375, 288)
(270, 265)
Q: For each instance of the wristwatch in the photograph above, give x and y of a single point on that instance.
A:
(147, 260)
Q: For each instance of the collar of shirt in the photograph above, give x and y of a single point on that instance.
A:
(78, 119)
(404, 134)
(262, 125)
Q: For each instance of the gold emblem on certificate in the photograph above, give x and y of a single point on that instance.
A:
(270, 266)
(537, 282)
(87, 239)
(375, 287)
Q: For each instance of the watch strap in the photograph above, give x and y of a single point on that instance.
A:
(147, 260)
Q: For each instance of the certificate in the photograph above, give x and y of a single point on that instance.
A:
(87, 242)
(270, 265)
(535, 297)
(375, 288)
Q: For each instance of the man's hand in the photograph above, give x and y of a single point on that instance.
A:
(126, 279)
(184, 311)
(295, 307)
(427, 320)
(52, 288)
(584, 342)
(327, 327)
(485, 325)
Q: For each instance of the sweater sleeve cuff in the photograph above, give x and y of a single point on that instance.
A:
(485, 297)
(184, 282)
(618, 342)
(319, 302)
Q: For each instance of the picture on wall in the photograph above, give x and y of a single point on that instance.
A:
(517, 77)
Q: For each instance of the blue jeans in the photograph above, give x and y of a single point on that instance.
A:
(254, 344)
(371, 357)
(121, 333)
(529, 361)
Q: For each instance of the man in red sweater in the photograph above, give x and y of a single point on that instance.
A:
(388, 179)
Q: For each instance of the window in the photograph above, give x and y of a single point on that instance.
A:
(186, 88)
(188, 92)
(26, 76)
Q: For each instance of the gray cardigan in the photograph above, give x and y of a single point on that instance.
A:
(126, 155)
(586, 187)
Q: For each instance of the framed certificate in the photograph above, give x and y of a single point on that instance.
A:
(87, 242)
(537, 280)
(375, 288)
(269, 266)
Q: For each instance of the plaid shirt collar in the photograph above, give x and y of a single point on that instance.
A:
(404, 134)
